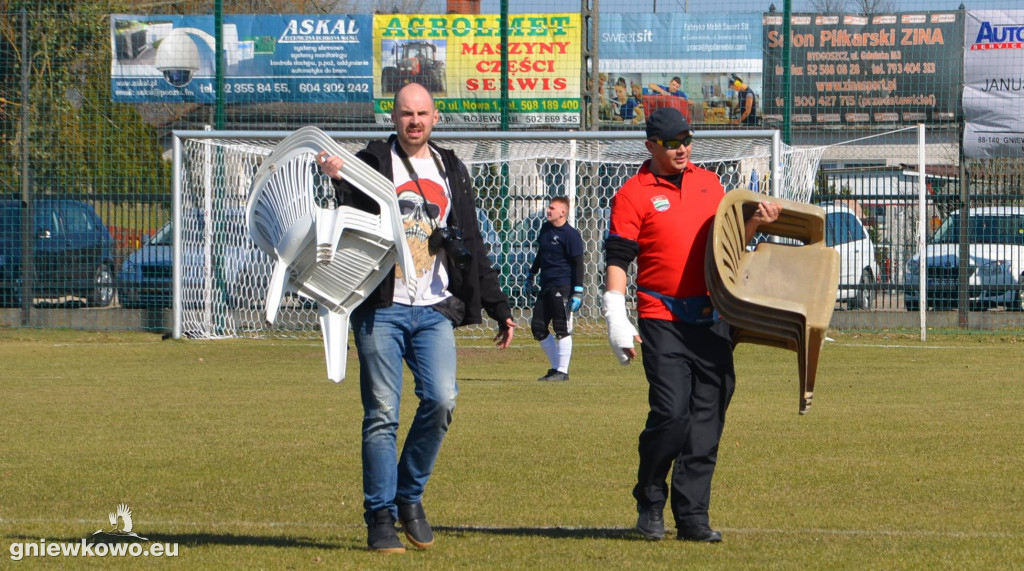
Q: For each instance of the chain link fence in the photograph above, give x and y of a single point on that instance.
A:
(85, 176)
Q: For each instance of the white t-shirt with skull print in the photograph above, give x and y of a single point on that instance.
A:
(421, 214)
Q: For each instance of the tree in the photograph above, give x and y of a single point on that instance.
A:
(829, 6)
(870, 7)
(79, 141)
(867, 7)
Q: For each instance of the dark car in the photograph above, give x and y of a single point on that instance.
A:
(238, 270)
(492, 243)
(74, 252)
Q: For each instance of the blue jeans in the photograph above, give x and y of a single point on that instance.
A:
(426, 340)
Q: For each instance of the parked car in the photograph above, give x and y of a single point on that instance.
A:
(858, 268)
(858, 265)
(492, 243)
(240, 271)
(74, 252)
(995, 262)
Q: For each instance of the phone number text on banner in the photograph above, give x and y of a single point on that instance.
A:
(297, 58)
(869, 70)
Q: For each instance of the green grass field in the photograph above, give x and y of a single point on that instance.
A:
(246, 456)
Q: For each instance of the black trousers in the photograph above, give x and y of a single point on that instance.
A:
(552, 307)
(691, 381)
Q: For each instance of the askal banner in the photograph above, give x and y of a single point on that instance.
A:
(994, 84)
(891, 69)
(685, 61)
(458, 59)
(298, 58)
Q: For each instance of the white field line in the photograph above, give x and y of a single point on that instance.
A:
(873, 346)
(530, 344)
(150, 525)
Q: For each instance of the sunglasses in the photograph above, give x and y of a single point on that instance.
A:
(673, 144)
(407, 207)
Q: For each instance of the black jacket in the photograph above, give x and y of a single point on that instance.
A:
(477, 286)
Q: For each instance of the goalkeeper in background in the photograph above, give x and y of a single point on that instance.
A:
(559, 260)
(661, 218)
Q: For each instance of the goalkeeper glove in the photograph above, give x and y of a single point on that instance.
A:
(620, 330)
(576, 300)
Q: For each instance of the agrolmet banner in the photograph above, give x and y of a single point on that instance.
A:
(891, 69)
(994, 84)
(458, 58)
(326, 58)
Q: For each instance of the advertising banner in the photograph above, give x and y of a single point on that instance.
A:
(890, 69)
(458, 58)
(994, 84)
(166, 59)
(687, 61)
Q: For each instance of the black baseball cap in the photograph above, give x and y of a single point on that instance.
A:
(666, 124)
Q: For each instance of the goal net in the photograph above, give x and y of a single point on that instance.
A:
(223, 276)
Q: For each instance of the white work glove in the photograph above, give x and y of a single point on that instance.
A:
(620, 330)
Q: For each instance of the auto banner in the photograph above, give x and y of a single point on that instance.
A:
(994, 84)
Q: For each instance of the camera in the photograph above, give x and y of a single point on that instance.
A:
(450, 238)
(178, 58)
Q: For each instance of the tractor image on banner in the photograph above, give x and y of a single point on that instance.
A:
(415, 61)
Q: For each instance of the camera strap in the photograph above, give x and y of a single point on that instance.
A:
(416, 179)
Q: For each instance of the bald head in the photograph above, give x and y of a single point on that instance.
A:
(414, 116)
(413, 90)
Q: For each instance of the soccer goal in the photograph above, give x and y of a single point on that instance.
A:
(220, 277)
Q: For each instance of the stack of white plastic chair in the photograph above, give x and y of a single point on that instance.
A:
(332, 254)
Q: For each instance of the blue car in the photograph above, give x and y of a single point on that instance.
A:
(73, 253)
(238, 271)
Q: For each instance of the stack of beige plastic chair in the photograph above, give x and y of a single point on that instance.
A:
(334, 255)
(779, 294)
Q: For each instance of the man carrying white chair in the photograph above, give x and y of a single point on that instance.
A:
(413, 317)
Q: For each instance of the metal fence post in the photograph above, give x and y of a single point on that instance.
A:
(28, 238)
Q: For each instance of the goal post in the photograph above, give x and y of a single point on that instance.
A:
(220, 277)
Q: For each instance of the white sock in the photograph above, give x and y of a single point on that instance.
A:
(550, 349)
(564, 353)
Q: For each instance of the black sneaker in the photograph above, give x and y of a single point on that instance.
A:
(698, 533)
(547, 374)
(557, 376)
(415, 526)
(381, 535)
(651, 523)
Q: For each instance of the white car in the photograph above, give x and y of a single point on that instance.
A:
(858, 269)
(996, 261)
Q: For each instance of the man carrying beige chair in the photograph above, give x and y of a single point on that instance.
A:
(661, 218)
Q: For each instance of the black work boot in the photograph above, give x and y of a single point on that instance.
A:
(414, 523)
(651, 523)
(381, 535)
(698, 532)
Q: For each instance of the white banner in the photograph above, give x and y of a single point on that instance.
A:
(994, 84)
